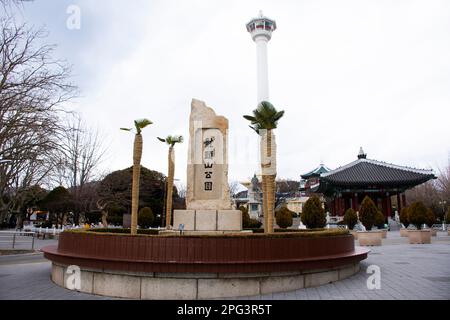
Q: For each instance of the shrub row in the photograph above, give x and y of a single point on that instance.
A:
(123, 231)
(277, 234)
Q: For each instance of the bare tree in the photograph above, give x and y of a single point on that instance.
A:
(33, 87)
(181, 188)
(81, 152)
(234, 188)
(443, 182)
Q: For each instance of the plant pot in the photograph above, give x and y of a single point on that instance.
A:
(419, 236)
(354, 234)
(403, 232)
(370, 238)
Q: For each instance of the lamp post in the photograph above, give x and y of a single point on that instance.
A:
(443, 203)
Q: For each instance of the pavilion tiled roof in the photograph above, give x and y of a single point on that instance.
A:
(316, 172)
(372, 172)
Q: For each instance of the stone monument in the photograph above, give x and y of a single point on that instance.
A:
(208, 200)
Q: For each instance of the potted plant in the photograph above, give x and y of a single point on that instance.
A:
(417, 215)
(405, 221)
(379, 223)
(351, 219)
(367, 214)
(431, 219)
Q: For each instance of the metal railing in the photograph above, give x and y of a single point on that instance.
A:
(15, 239)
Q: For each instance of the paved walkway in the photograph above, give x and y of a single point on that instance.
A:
(407, 272)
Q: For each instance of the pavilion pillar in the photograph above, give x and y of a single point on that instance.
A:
(338, 205)
(399, 203)
(389, 206)
(384, 206)
(342, 206)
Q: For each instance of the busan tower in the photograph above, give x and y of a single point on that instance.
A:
(261, 29)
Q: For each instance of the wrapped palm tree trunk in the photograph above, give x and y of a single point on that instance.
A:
(137, 155)
(170, 186)
(268, 167)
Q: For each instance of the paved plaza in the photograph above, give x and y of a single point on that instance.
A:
(407, 272)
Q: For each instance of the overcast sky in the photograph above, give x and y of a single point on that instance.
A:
(348, 74)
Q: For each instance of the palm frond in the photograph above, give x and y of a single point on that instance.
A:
(265, 116)
(141, 124)
(250, 118)
(172, 140)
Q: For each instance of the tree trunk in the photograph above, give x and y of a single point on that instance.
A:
(265, 212)
(104, 218)
(268, 167)
(64, 220)
(170, 178)
(137, 154)
(270, 202)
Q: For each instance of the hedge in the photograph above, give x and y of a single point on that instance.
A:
(278, 233)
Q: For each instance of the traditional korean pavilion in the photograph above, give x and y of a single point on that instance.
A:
(310, 180)
(385, 183)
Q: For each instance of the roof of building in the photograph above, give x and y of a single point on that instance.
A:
(316, 172)
(372, 172)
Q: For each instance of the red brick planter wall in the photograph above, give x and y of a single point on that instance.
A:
(198, 255)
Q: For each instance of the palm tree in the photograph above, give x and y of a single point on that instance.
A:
(264, 120)
(137, 155)
(171, 141)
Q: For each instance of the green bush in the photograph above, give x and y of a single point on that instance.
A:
(123, 231)
(247, 222)
(404, 217)
(350, 218)
(417, 214)
(379, 220)
(283, 217)
(145, 217)
(367, 213)
(279, 233)
(431, 218)
(313, 215)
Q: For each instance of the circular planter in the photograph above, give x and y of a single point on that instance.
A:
(201, 267)
(370, 238)
(419, 236)
(403, 232)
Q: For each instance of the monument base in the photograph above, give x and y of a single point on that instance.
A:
(208, 220)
